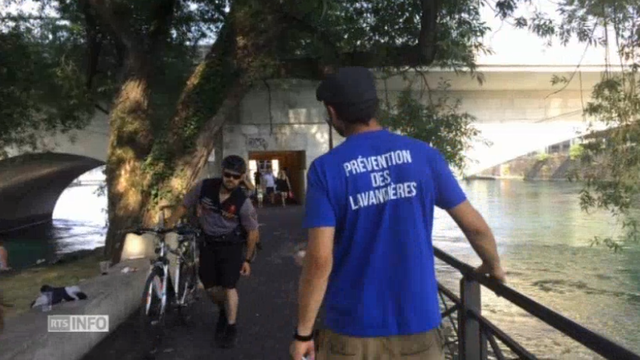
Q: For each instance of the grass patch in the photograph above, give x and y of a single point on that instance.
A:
(20, 289)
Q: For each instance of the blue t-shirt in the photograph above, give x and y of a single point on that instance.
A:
(378, 189)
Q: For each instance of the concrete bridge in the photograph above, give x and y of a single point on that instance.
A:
(517, 110)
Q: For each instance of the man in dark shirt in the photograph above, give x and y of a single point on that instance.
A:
(225, 213)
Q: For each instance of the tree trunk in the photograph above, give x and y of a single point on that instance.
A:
(135, 178)
(129, 144)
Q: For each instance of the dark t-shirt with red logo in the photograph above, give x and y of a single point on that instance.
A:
(214, 223)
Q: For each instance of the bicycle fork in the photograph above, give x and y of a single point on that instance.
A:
(179, 297)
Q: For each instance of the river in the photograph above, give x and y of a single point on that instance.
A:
(544, 242)
(78, 224)
(543, 238)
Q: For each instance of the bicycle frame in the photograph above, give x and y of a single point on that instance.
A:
(160, 263)
(180, 298)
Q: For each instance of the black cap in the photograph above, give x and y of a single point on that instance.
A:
(350, 85)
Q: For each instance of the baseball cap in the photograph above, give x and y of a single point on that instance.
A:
(349, 85)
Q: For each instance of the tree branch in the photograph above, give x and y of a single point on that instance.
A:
(427, 40)
(103, 110)
(163, 15)
(304, 26)
(94, 43)
(117, 21)
(385, 56)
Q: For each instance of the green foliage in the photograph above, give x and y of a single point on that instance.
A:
(42, 88)
(437, 121)
(610, 159)
(543, 156)
(576, 151)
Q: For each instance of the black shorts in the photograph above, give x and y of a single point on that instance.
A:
(271, 190)
(220, 264)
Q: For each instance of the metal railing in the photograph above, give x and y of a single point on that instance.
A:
(475, 332)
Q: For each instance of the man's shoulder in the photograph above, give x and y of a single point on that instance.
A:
(247, 206)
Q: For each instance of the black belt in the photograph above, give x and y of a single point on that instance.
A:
(226, 238)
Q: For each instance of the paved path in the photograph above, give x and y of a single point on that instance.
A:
(266, 316)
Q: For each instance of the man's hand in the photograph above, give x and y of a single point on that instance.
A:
(299, 349)
(246, 269)
(496, 272)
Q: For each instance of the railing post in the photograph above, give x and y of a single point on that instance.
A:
(471, 341)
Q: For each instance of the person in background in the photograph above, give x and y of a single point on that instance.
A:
(259, 187)
(370, 210)
(257, 177)
(4, 258)
(283, 186)
(247, 185)
(270, 185)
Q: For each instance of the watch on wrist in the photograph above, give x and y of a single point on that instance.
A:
(302, 338)
(247, 261)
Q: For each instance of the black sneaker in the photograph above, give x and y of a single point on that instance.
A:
(230, 337)
(221, 326)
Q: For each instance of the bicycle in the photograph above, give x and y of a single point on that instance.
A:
(161, 293)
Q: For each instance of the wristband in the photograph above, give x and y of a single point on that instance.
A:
(299, 337)
(247, 261)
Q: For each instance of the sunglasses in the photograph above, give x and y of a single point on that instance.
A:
(233, 176)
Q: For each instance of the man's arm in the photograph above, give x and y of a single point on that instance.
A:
(249, 220)
(176, 215)
(318, 263)
(190, 200)
(252, 239)
(480, 237)
(248, 182)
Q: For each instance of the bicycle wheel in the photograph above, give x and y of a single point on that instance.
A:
(152, 315)
(188, 283)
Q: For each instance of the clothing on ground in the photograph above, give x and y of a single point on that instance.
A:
(213, 223)
(379, 190)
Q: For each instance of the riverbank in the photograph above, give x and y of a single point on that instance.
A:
(21, 287)
(540, 167)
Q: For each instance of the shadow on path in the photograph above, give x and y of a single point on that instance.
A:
(267, 311)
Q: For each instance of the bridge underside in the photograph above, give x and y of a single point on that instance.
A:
(31, 184)
(511, 140)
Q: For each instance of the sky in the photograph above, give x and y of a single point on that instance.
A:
(515, 46)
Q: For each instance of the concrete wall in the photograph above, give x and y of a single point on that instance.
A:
(116, 295)
(91, 141)
(297, 122)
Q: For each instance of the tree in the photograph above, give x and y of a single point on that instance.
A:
(164, 112)
(610, 160)
(46, 54)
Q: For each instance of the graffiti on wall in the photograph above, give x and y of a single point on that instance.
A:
(257, 143)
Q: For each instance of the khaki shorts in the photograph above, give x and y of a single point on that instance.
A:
(423, 346)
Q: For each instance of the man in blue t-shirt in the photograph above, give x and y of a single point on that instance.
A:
(370, 205)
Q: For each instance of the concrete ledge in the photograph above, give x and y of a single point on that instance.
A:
(115, 294)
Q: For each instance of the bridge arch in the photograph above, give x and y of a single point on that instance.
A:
(31, 184)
